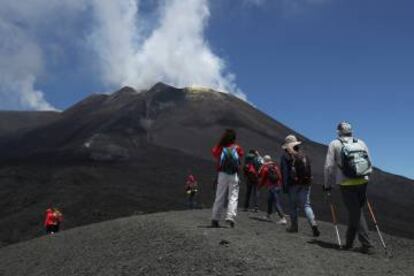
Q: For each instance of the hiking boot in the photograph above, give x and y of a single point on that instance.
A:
(282, 221)
(230, 222)
(256, 210)
(315, 231)
(215, 224)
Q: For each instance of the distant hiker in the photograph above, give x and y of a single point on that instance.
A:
(53, 219)
(191, 189)
(228, 155)
(297, 180)
(271, 178)
(252, 164)
(348, 164)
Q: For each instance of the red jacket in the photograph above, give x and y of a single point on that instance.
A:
(191, 183)
(217, 150)
(264, 173)
(52, 218)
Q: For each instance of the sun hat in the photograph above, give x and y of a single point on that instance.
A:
(291, 141)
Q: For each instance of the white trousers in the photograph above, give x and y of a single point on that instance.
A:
(226, 183)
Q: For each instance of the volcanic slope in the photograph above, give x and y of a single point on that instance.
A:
(113, 155)
(180, 243)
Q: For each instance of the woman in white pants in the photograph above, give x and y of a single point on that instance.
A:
(228, 155)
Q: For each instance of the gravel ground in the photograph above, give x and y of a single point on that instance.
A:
(181, 243)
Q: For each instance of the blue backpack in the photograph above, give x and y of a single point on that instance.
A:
(230, 160)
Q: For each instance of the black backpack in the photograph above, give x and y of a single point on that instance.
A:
(301, 171)
(229, 160)
(250, 167)
(273, 175)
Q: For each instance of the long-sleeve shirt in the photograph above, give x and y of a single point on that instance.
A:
(333, 163)
(285, 166)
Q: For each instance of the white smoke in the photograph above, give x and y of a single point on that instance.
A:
(35, 35)
(22, 55)
(128, 47)
(20, 63)
(175, 51)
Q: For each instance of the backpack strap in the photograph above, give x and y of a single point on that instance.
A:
(342, 141)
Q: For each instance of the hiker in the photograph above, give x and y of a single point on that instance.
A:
(53, 219)
(348, 164)
(228, 155)
(271, 178)
(297, 180)
(252, 164)
(191, 189)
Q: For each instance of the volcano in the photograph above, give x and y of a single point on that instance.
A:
(127, 153)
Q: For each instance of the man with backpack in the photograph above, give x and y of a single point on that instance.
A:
(297, 180)
(348, 164)
(228, 155)
(252, 164)
(271, 178)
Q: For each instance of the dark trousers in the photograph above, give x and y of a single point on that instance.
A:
(274, 200)
(52, 228)
(251, 191)
(355, 198)
(191, 200)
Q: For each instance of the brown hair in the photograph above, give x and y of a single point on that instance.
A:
(229, 137)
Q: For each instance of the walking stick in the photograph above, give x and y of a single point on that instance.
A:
(374, 220)
(333, 213)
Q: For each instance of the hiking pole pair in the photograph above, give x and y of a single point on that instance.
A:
(334, 220)
(374, 220)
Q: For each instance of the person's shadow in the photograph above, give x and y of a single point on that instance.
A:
(261, 219)
(323, 244)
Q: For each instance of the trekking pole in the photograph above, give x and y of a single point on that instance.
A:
(374, 220)
(333, 213)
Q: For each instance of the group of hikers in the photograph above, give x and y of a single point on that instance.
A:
(348, 165)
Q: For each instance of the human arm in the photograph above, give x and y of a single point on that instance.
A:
(285, 173)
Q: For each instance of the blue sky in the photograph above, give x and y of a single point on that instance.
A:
(340, 60)
(307, 63)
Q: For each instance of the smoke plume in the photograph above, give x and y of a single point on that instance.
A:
(119, 41)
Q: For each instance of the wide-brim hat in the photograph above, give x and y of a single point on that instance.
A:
(291, 141)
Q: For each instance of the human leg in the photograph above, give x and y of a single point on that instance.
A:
(233, 197)
(222, 187)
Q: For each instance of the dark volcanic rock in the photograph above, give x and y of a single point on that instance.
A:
(180, 243)
(19, 121)
(142, 145)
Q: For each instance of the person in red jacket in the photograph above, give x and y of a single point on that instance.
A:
(228, 155)
(271, 178)
(48, 221)
(191, 189)
(53, 219)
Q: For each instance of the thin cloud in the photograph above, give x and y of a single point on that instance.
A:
(22, 54)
